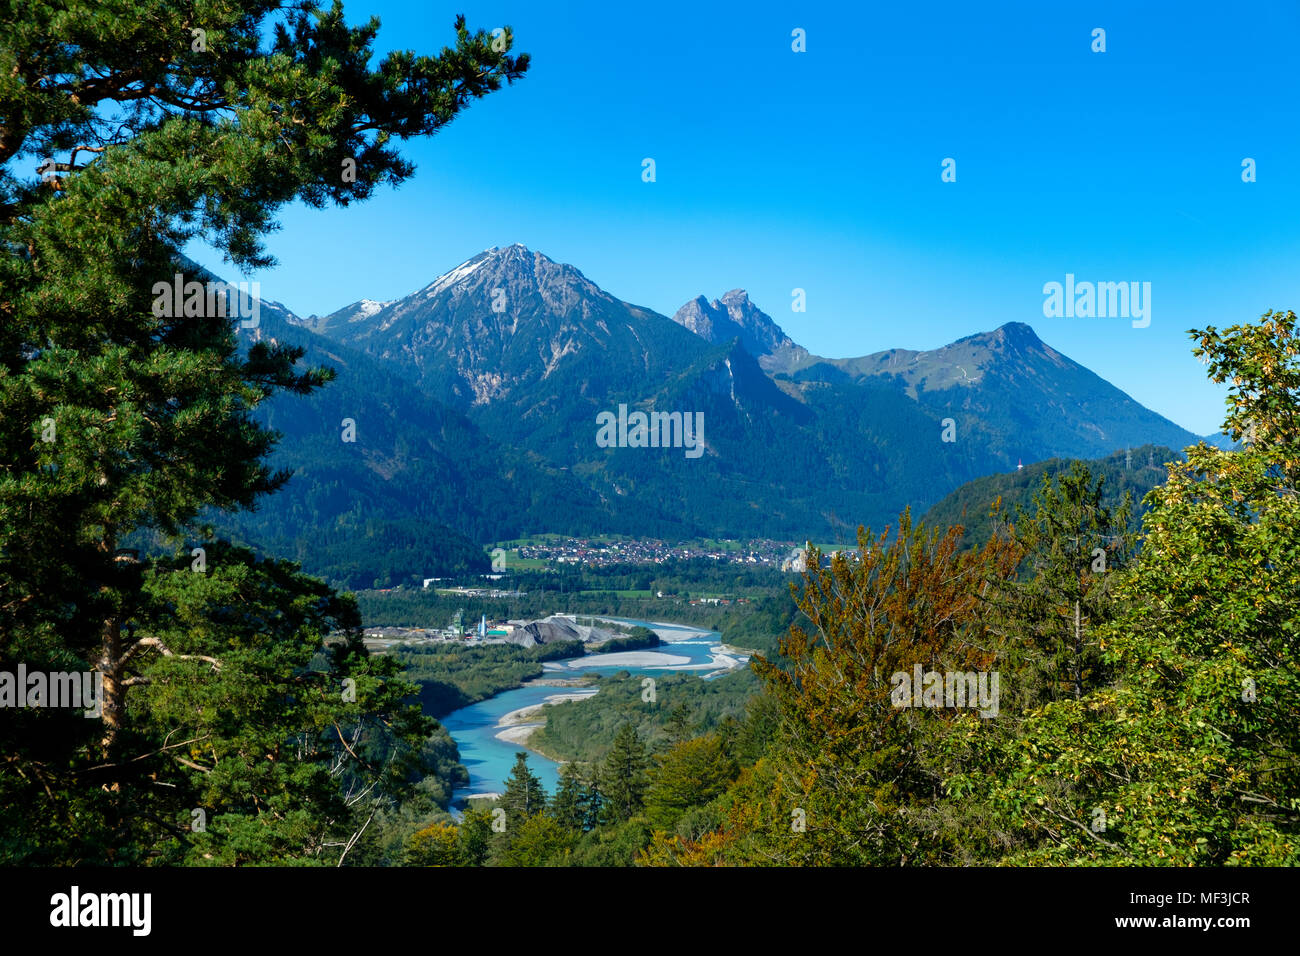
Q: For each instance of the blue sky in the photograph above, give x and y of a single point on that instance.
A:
(821, 170)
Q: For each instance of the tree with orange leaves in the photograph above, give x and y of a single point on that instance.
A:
(851, 779)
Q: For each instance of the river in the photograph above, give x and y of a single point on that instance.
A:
(475, 728)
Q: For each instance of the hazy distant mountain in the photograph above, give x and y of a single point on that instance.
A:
(477, 401)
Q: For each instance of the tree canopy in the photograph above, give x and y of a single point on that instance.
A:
(241, 718)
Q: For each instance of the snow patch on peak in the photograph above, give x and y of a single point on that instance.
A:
(461, 272)
(368, 307)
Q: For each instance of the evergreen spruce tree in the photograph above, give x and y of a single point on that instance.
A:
(524, 799)
(569, 806)
(594, 803)
(623, 776)
(525, 795)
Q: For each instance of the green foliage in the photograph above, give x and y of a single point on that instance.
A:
(436, 845)
(442, 843)
(835, 772)
(531, 836)
(1075, 549)
(763, 624)
(238, 708)
(615, 845)
(623, 777)
(571, 804)
(538, 841)
(584, 730)
(849, 764)
(1260, 360)
(689, 775)
(1187, 758)
(638, 638)
(357, 552)
(384, 841)
(524, 794)
(223, 687)
(475, 835)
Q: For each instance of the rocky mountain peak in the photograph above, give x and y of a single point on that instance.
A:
(733, 316)
(520, 274)
(1013, 341)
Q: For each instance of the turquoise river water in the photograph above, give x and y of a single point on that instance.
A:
(475, 728)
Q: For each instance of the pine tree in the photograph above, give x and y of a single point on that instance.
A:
(623, 776)
(124, 135)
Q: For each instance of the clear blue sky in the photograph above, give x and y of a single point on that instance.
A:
(821, 170)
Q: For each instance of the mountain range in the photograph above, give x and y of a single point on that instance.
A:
(475, 401)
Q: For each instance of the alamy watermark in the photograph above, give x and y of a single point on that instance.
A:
(1102, 300)
(79, 690)
(651, 430)
(129, 910)
(950, 689)
(179, 298)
